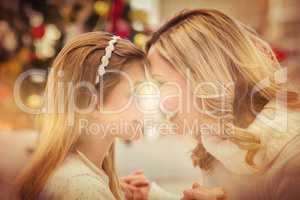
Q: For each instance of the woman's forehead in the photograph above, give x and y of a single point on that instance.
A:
(159, 64)
(151, 51)
(134, 71)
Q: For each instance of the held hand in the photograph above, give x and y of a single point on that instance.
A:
(135, 186)
(202, 193)
(128, 190)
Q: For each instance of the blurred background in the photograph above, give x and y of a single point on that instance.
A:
(32, 32)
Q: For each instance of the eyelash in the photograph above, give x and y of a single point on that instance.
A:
(155, 78)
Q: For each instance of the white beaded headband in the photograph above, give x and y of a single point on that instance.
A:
(105, 59)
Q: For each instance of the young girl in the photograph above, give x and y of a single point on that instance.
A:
(88, 99)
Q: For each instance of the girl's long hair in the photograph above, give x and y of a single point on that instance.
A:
(217, 49)
(76, 63)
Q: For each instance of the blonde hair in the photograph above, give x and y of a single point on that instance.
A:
(79, 61)
(219, 49)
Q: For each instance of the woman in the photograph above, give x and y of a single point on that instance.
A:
(235, 92)
(89, 84)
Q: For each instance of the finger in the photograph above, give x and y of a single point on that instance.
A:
(183, 198)
(140, 183)
(194, 194)
(196, 185)
(188, 193)
(124, 179)
(132, 188)
(126, 186)
(218, 192)
(133, 176)
(130, 178)
(186, 198)
(135, 179)
(137, 195)
(128, 194)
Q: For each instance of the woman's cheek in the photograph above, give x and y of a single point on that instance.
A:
(170, 99)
